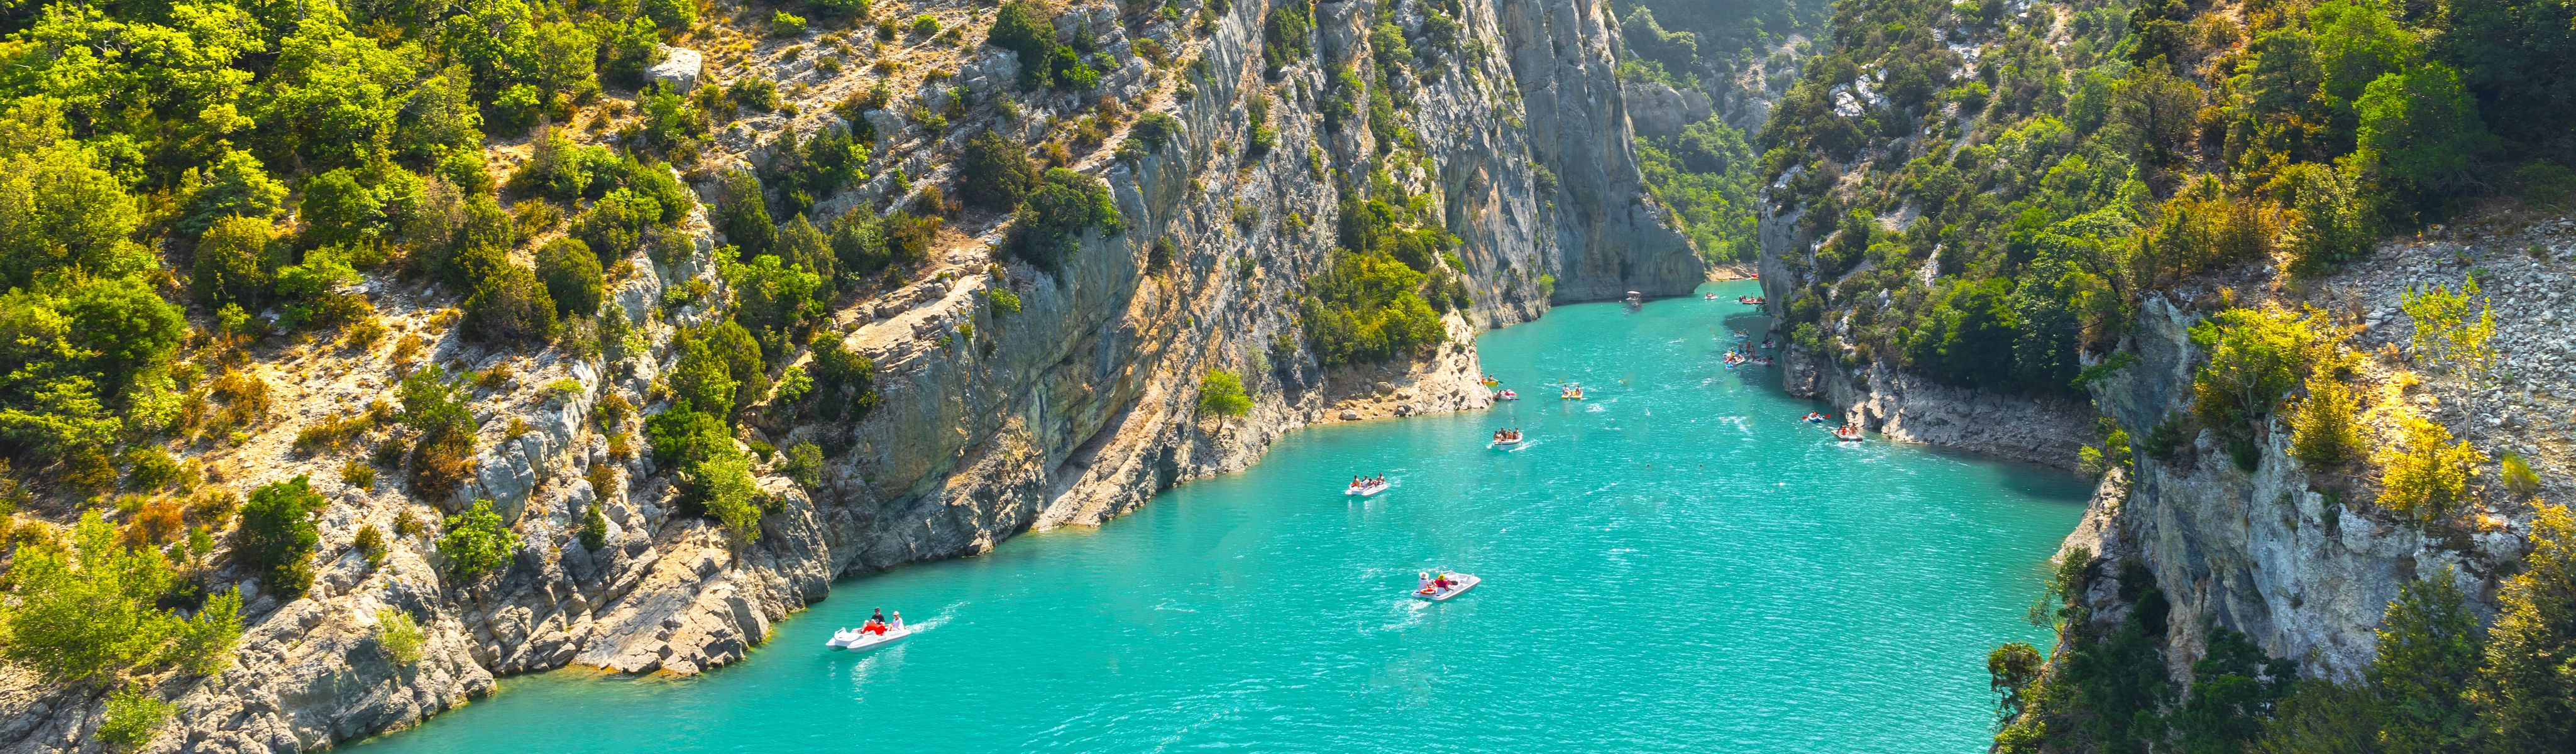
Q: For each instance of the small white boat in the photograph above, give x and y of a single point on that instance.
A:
(1366, 489)
(1507, 396)
(1466, 581)
(1506, 444)
(860, 641)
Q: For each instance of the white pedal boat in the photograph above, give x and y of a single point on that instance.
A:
(1366, 490)
(857, 641)
(1466, 581)
(1506, 444)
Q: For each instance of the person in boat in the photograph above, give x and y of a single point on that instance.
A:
(1355, 482)
(898, 620)
(1422, 582)
(876, 623)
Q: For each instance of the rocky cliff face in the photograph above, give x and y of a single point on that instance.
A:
(2298, 559)
(1075, 409)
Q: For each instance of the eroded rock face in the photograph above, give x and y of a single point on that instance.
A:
(1658, 110)
(1612, 235)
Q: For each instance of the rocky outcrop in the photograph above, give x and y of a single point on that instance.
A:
(1909, 408)
(1611, 233)
(1658, 110)
(1075, 408)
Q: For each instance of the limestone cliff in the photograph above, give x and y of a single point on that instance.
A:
(1075, 408)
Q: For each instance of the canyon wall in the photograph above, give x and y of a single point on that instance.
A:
(1072, 410)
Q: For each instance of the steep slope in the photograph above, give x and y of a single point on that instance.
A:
(1072, 404)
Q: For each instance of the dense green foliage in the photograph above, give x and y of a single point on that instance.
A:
(399, 636)
(1707, 176)
(1057, 212)
(997, 172)
(2058, 183)
(1221, 394)
(278, 536)
(572, 276)
(89, 605)
(434, 406)
(477, 541)
(1028, 29)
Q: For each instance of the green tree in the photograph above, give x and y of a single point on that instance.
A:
(2012, 670)
(2255, 357)
(2420, 133)
(996, 171)
(2452, 328)
(572, 277)
(1221, 393)
(278, 536)
(57, 209)
(1288, 34)
(234, 260)
(2429, 646)
(340, 209)
(772, 297)
(477, 542)
(614, 226)
(510, 307)
(741, 214)
(86, 606)
(2522, 696)
(133, 716)
(1025, 28)
(2325, 430)
(1053, 218)
(2424, 473)
(673, 16)
(234, 186)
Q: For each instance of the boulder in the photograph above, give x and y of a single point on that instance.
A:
(679, 68)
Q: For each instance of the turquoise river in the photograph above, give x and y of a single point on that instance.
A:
(1676, 564)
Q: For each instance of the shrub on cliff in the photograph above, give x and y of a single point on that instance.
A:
(510, 308)
(2326, 429)
(996, 171)
(1368, 308)
(1221, 394)
(234, 260)
(88, 605)
(278, 536)
(442, 456)
(1288, 33)
(2255, 356)
(1054, 217)
(477, 541)
(844, 383)
(2424, 473)
(399, 636)
(133, 715)
(572, 276)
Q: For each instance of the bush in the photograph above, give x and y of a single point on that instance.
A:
(804, 464)
(2255, 356)
(1054, 217)
(1003, 300)
(772, 297)
(845, 383)
(594, 527)
(2453, 329)
(1221, 393)
(371, 543)
(2325, 430)
(234, 260)
(278, 537)
(2424, 474)
(1289, 34)
(997, 172)
(1026, 28)
(477, 541)
(337, 208)
(399, 636)
(615, 225)
(315, 291)
(443, 457)
(909, 237)
(236, 185)
(133, 715)
(785, 24)
(2519, 479)
(741, 214)
(511, 308)
(86, 605)
(572, 276)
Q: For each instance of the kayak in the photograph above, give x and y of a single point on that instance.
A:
(1366, 490)
(857, 641)
(1466, 581)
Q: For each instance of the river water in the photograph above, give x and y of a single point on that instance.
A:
(1675, 564)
